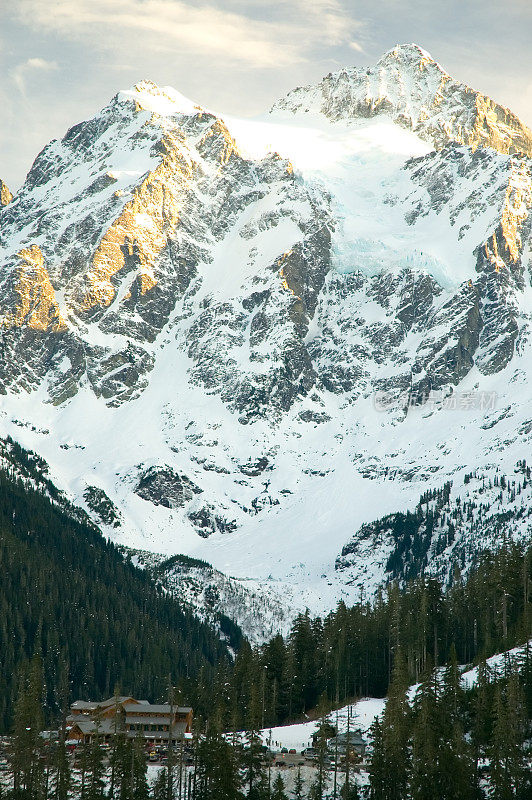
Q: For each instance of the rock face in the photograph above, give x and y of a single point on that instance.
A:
(251, 356)
(5, 195)
(163, 487)
(121, 247)
(412, 88)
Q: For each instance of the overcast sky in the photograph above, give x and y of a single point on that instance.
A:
(62, 60)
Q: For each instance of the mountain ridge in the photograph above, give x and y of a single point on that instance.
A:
(242, 340)
(431, 103)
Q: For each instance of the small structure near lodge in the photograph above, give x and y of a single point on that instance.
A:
(156, 724)
(339, 744)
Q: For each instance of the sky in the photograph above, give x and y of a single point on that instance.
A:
(62, 60)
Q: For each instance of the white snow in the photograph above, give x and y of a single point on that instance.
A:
(299, 736)
(328, 478)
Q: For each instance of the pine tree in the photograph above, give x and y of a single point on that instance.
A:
(139, 769)
(252, 755)
(62, 777)
(218, 769)
(320, 738)
(457, 773)
(391, 757)
(508, 770)
(124, 767)
(378, 768)
(27, 743)
(94, 779)
(424, 742)
(298, 786)
(482, 712)
(159, 789)
(278, 792)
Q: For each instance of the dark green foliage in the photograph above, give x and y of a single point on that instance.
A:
(389, 777)
(509, 771)
(278, 792)
(180, 561)
(218, 774)
(447, 753)
(27, 745)
(351, 652)
(69, 595)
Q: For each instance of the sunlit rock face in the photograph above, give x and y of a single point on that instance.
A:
(417, 93)
(5, 195)
(119, 219)
(198, 313)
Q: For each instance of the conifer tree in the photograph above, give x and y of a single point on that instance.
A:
(482, 712)
(94, 779)
(378, 769)
(218, 769)
(62, 777)
(252, 754)
(508, 770)
(321, 737)
(139, 769)
(278, 792)
(297, 793)
(159, 789)
(391, 757)
(27, 743)
(424, 742)
(456, 765)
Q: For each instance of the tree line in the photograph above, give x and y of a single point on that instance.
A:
(68, 595)
(440, 738)
(350, 653)
(463, 744)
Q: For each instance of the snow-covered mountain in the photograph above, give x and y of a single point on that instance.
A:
(252, 340)
(413, 89)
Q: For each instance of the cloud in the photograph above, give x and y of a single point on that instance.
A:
(257, 34)
(21, 72)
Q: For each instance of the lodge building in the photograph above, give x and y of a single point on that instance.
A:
(156, 724)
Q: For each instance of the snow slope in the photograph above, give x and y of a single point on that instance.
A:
(248, 357)
(363, 713)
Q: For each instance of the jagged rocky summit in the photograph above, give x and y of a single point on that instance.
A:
(417, 93)
(249, 340)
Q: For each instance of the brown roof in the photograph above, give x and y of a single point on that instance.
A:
(106, 727)
(111, 701)
(148, 708)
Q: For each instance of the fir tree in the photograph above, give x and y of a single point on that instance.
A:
(252, 755)
(298, 786)
(391, 756)
(94, 781)
(508, 771)
(27, 743)
(278, 792)
(218, 769)
(159, 790)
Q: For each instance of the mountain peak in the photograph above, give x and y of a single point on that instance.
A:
(411, 51)
(161, 100)
(409, 86)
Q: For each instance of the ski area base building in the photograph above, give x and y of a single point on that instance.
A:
(156, 724)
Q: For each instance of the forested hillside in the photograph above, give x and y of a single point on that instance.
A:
(67, 594)
(351, 652)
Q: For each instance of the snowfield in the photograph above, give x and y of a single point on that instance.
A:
(235, 416)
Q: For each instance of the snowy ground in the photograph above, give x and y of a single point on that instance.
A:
(364, 711)
(362, 715)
